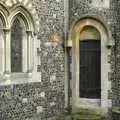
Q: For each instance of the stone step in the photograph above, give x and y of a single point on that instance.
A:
(82, 115)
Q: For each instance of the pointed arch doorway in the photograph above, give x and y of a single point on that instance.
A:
(88, 38)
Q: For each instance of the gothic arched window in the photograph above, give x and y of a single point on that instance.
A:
(17, 36)
(17, 45)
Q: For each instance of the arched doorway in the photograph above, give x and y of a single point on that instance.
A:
(90, 62)
(88, 39)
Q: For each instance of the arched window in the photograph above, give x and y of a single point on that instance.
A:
(18, 32)
(17, 45)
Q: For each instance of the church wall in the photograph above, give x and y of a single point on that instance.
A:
(107, 12)
(43, 96)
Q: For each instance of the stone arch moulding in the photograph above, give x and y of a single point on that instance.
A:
(27, 18)
(4, 12)
(110, 41)
(73, 42)
(24, 5)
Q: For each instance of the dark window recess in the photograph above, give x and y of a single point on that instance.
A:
(16, 45)
(90, 69)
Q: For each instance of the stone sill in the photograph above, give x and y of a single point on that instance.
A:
(19, 78)
(18, 75)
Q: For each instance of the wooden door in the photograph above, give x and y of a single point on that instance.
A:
(90, 69)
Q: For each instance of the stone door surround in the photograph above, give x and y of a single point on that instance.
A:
(73, 42)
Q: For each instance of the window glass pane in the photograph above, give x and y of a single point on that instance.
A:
(17, 31)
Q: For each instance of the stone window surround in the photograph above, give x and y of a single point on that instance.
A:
(6, 77)
(73, 42)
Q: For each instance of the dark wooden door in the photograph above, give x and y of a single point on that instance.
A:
(90, 69)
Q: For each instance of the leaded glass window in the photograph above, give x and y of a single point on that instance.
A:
(17, 33)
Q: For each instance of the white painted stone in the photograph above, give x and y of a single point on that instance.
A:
(48, 44)
(29, 5)
(76, 14)
(38, 77)
(43, 1)
(33, 11)
(8, 3)
(37, 23)
(52, 78)
(101, 4)
(62, 67)
(14, 1)
(20, 0)
(25, 2)
(54, 15)
(52, 103)
(42, 94)
(57, 0)
(24, 100)
(40, 109)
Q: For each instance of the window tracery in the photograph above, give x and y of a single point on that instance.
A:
(16, 43)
